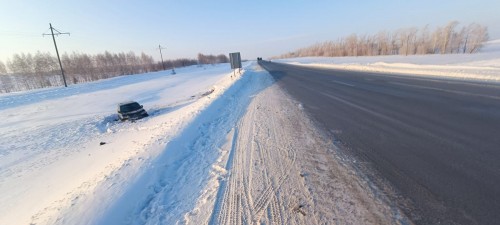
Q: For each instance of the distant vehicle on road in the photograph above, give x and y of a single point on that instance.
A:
(131, 111)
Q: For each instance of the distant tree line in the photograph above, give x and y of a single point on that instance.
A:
(212, 59)
(410, 41)
(39, 70)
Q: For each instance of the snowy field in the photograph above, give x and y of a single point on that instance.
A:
(483, 66)
(52, 166)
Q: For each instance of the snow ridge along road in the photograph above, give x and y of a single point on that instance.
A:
(181, 183)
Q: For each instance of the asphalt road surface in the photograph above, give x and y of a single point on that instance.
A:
(436, 141)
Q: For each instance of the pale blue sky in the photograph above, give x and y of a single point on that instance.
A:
(187, 27)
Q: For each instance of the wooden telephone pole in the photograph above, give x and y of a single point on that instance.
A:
(57, 51)
(161, 55)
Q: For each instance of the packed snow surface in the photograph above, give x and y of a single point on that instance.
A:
(484, 66)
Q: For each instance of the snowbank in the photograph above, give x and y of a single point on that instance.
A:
(190, 166)
(483, 66)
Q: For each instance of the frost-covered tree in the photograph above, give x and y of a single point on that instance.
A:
(383, 43)
(407, 39)
(423, 43)
(3, 69)
(21, 64)
(212, 59)
(147, 62)
(446, 36)
(222, 58)
(44, 63)
(475, 37)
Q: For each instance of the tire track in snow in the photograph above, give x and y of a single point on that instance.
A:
(246, 199)
(284, 172)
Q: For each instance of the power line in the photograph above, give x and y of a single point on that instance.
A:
(57, 51)
(18, 34)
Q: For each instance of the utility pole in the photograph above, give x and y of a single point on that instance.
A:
(57, 51)
(173, 68)
(161, 55)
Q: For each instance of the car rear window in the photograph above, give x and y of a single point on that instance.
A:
(130, 107)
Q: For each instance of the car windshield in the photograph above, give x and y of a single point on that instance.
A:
(130, 107)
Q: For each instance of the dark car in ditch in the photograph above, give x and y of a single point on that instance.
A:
(131, 111)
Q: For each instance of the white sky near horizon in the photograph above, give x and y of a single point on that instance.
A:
(186, 28)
